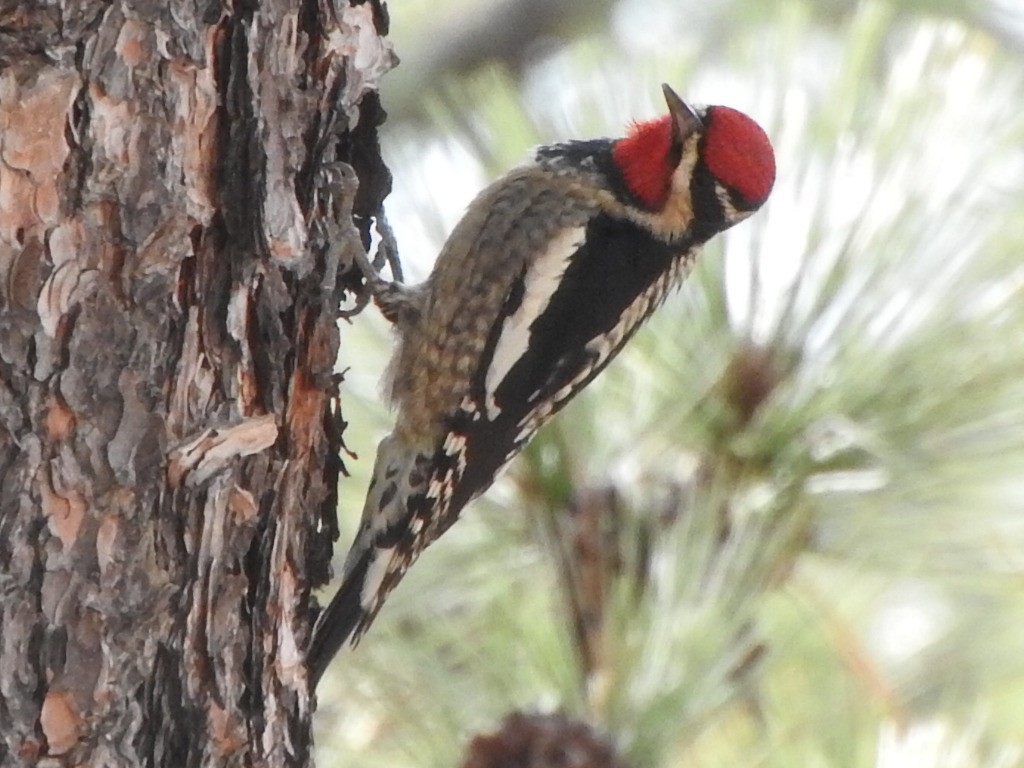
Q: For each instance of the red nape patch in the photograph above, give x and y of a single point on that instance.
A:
(643, 158)
(738, 153)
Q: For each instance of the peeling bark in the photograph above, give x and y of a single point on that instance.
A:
(182, 187)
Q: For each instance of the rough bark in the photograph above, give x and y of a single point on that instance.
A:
(181, 188)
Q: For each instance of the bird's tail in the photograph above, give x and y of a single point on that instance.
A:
(343, 621)
(384, 548)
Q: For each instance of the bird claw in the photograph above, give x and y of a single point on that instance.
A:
(361, 301)
(392, 297)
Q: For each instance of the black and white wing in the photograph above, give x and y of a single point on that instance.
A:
(567, 315)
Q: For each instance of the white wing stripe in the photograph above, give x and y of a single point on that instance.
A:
(601, 347)
(539, 284)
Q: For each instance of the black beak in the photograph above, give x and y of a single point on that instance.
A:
(684, 118)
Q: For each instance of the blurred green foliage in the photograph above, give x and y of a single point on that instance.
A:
(785, 527)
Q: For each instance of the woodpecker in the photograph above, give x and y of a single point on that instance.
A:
(551, 270)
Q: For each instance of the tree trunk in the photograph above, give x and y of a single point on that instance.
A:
(181, 189)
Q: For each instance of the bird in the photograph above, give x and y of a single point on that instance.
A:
(549, 273)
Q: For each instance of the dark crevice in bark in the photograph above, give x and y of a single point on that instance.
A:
(334, 429)
(381, 17)
(361, 150)
(240, 178)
